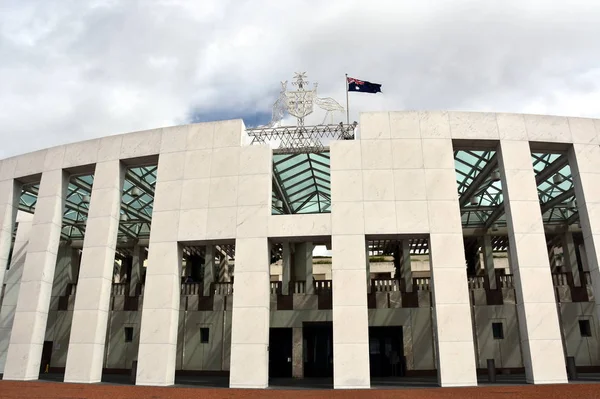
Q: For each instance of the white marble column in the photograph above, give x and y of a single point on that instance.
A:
(570, 257)
(251, 315)
(539, 328)
(29, 328)
(350, 313)
(348, 246)
(12, 281)
(137, 264)
(160, 315)
(209, 269)
(488, 260)
(451, 314)
(584, 160)
(90, 316)
(10, 192)
(407, 266)
(286, 269)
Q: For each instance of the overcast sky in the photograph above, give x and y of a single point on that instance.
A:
(72, 70)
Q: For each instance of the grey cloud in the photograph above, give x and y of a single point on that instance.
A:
(73, 70)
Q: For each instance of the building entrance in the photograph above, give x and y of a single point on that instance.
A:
(318, 353)
(386, 351)
(280, 353)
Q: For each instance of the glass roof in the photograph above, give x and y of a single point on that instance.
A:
(301, 183)
(479, 189)
(136, 205)
(555, 188)
(137, 202)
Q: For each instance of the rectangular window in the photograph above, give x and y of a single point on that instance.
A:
(128, 334)
(497, 330)
(204, 334)
(584, 328)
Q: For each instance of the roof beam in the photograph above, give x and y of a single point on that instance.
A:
(499, 211)
(139, 182)
(557, 200)
(479, 180)
(281, 194)
(551, 169)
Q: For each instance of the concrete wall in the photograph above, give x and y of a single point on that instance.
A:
(397, 179)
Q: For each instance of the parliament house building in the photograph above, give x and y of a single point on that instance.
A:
(409, 244)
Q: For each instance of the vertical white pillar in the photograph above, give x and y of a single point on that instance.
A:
(541, 341)
(251, 315)
(160, 315)
(10, 192)
(570, 257)
(348, 247)
(350, 313)
(488, 260)
(584, 160)
(29, 328)
(452, 325)
(209, 269)
(12, 281)
(286, 269)
(407, 266)
(137, 264)
(90, 316)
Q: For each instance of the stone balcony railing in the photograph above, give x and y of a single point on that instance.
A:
(383, 293)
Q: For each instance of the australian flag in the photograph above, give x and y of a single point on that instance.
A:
(363, 86)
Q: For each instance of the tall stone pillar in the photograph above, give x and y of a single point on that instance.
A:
(297, 353)
(488, 260)
(286, 269)
(137, 266)
(541, 341)
(251, 314)
(350, 313)
(160, 315)
(407, 266)
(85, 357)
(584, 160)
(12, 281)
(454, 350)
(348, 268)
(29, 328)
(570, 257)
(209, 269)
(10, 191)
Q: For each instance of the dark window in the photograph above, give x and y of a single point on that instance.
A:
(584, 328)
(128, 334)
(497, 330)
(204, 335)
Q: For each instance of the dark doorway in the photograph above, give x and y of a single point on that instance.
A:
(386, 351)
(46, 356)
(280, 353)
(318, 349)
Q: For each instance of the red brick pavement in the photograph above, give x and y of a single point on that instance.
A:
(51, 390)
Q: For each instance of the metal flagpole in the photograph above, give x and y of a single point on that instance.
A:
(347, 109)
